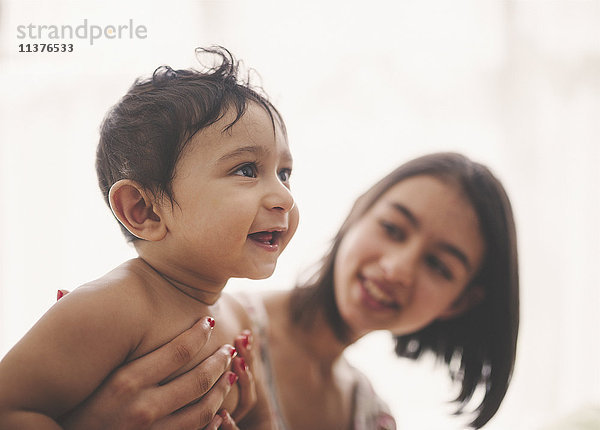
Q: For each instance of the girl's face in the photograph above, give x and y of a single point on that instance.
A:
(407, 261)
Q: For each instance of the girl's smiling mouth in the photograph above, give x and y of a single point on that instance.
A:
(375, 297)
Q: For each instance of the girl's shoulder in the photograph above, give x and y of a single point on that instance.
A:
(261, 307)
(235, 309)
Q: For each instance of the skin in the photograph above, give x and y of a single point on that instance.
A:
(407, 257)
(407, 261)
(227, 186)
(231, 186)
(151, 404)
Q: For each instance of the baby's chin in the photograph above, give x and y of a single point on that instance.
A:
(259, 273)
(263, 275)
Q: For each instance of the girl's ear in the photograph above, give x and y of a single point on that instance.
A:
(134, 207)
(469, 299)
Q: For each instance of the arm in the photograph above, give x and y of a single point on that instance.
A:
(64, 357)
(133, 398)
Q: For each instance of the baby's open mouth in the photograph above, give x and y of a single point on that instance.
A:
(268, 238)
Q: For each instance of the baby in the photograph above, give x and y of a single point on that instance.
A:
(195, 166)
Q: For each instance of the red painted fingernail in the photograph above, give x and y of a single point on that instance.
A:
(245, 341)
(211, 322)
(243, 364)
(232, 351)
(59, 294)
(232, 378)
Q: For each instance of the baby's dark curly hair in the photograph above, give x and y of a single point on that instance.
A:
(145, 133)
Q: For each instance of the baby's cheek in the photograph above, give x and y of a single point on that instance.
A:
(293, 220)
(295, 215)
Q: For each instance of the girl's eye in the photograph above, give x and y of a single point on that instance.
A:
(248, 170)
(284, 175)
(438, 266)
(393, 231)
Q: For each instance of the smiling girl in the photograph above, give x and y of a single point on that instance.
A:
(428, 254)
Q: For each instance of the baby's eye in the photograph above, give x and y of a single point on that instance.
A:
(284, 175)
(438, 266)
(393, 231)
(249, 170)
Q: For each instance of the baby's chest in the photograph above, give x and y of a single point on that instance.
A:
(165, 329)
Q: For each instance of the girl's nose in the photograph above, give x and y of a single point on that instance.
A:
(400, 264)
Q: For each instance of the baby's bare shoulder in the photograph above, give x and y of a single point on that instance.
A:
(91, 331)
(118, 299)
(127, 285)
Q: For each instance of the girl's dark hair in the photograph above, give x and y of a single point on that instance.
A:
(145, 133)
(478, 346)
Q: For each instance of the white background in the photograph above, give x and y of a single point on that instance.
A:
(363, 86)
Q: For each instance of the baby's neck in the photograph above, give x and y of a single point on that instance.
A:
(205, 291)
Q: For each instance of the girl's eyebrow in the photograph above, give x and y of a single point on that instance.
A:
(444, 246)
(407, 213)
(452, 250)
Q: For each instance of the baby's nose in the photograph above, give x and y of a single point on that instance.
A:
(280, 198)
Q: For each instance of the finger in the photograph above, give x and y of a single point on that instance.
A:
(247, 388)
(215, 423)
(193, 384)
(201, 413)
(243, 343)
(228, 422)
(159, 364)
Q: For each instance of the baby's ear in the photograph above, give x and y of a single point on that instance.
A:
(469, 299)
(134, 207)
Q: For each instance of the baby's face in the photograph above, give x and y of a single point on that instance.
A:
(233, 213)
